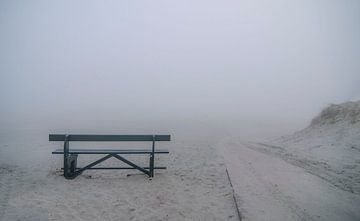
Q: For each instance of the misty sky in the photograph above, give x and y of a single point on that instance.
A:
(280, 59)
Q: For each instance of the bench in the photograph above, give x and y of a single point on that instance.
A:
(71, 170)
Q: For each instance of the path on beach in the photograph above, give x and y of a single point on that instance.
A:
(269, 188)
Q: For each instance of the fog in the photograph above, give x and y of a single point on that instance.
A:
(246, 68)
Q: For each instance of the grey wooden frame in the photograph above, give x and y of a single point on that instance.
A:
(70, 158)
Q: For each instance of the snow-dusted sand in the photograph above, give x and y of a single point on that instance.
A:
(310, 175)
(328, 148)
(194, 187)
(313, 174)
(269, 188)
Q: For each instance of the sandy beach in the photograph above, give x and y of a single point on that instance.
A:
(309, 175)
(194, 187)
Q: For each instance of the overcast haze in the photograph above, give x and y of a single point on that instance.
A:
(76, 64)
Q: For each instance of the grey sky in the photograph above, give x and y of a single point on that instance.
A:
(281, 59)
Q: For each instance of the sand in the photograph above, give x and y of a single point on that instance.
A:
(269, 188)
(328, 148)
(194, 187)
(313, 174)
(309, 175)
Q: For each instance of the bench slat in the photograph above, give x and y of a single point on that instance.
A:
(93, 137)
(123, 168)
(120, 168)
(111, 151)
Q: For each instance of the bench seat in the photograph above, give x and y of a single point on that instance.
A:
(111, 151)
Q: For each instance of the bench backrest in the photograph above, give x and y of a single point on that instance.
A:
(93, 137)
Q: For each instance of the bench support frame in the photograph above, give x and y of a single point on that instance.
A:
(71, 170)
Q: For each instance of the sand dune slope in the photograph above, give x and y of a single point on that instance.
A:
(269, 188)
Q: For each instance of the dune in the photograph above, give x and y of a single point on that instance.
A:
(312, 174)
(329, 147)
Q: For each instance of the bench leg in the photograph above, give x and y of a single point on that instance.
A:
(67, 173)
(70, 166)
(152, 155)
(151, 166)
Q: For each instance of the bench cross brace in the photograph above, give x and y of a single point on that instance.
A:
(147, 172)
(73, 171)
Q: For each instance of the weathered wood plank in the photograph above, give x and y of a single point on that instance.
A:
(111, 151)
(99, 137)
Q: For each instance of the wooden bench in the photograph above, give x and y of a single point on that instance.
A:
(70, 155)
